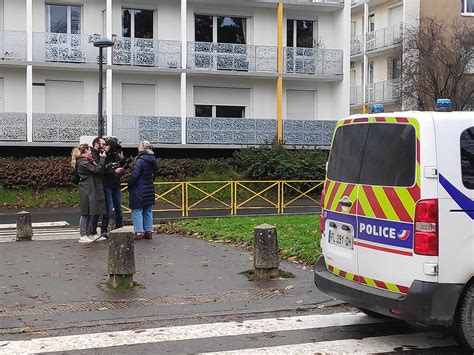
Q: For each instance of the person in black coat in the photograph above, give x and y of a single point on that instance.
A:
(142, 191)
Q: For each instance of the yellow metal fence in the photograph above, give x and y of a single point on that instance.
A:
(234, 196)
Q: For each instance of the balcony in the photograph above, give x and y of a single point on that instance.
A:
(384, 91)
(63, 128)
(357, 45)
(356, 95)
(308, 132)
(237, 131)
(232, 57)
(384, 37)
(146, 52)
(12, 45)
(64, 47)
(134, 129)
(314, 61)
(12, 127)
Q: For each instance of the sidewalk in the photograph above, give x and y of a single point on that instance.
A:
(57, 283)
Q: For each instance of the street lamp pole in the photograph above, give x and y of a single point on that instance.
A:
(101, 44)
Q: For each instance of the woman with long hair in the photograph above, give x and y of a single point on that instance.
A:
(91, 191)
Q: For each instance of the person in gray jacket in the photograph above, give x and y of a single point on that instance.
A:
(91, 191)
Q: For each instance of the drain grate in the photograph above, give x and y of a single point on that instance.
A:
(229, 296)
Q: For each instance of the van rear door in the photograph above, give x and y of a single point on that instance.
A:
(388, 193)
(455, 149)
(340, 208)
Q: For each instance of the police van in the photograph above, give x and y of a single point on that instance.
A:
(397, 222)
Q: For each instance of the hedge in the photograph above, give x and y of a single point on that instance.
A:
(273, 162)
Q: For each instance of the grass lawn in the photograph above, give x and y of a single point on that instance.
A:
(298, 235)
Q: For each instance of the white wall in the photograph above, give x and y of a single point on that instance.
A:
(14, 15)
(14, 89)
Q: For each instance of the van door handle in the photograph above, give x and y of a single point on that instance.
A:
(345, 202)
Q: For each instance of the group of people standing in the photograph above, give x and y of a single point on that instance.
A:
(99, 169)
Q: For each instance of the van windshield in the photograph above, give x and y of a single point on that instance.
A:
(380, 154)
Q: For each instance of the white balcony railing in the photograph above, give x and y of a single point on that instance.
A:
(357, 44)
(147, 52)
(59, 127)
(384, 91)
(230, 56)
(12, 126)
(317, 61)
(155, 129)
(64, 47)
(357, 97)
(384, 37)
(12, 45)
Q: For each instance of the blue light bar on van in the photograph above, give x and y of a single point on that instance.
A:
(443, 105)
(377, 108)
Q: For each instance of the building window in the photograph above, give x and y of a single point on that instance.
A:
(63, 19)
(220, 29)
(300, 33)
(371, 24)
(396, 68)
(371, 73)
(220, 111)
(137, 23)
(467, 7)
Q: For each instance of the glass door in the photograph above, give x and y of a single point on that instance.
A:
(300, 35)
(138, 27)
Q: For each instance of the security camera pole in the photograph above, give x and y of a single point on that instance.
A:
(101, 44)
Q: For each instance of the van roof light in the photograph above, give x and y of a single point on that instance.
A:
(443, 105)
(377, 108)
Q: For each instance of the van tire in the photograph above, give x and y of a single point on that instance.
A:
(464, 321)
(371, 313)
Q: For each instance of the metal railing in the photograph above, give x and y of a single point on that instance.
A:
(316, 61)
(308, 132)
(12, 45)
(146, 52)
(384, 37)
(243, 131)
(12, 126)
(230, 56)
(232, 197)
(357, 45)
(55, 127)
(381, 91)
(155, 129)
(357, 97)
(64, 47)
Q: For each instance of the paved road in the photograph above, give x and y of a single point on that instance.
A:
(323, 330)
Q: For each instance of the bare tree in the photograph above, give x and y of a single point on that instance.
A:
(437, 63)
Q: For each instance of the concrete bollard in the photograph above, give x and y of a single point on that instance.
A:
(121, 263)
(24, 229)
(265, 254)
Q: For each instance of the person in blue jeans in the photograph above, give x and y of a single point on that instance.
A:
(114, 167)
(142, 191)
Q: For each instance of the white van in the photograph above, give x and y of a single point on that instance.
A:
(397, 222)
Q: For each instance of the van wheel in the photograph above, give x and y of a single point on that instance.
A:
(464, 320)
(371, 313)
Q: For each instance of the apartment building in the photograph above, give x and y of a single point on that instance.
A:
(181, 73)
(376, 45)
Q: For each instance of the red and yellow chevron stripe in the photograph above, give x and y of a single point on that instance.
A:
(368, 281)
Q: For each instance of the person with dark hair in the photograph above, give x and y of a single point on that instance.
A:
(91, 191)
(114, 167)
(98, 148)
(142, 191)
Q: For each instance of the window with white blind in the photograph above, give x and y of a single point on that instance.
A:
(138, 99)
(301, 104)
(64, 96)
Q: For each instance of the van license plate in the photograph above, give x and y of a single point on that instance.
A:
(343, 240)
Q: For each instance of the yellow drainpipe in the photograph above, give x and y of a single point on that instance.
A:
(280, 71)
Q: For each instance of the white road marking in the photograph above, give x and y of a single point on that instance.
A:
(43, 234)
(187, 332)
(355, 346)
(37, 225)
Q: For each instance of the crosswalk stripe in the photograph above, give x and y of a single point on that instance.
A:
(187, 332)
(369, 345)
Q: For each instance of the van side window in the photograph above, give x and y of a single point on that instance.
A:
(346, 153)
(467, 158)
(390, 156)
